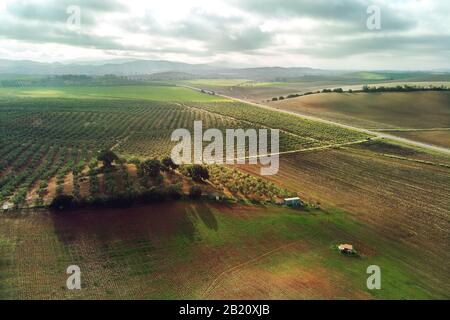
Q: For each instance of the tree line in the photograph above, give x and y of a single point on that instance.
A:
(150, 178)
(368, 89)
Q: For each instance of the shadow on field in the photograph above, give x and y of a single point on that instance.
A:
(187, 227)
(154, 222)
(208, 218)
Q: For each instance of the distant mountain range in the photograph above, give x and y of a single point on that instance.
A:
(170, 70)
(154, 69)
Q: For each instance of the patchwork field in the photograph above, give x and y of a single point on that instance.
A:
(263, 91)
(45, 140)
(147, 92)
(414, 110)
(192, 251)
(317, 133)
(435, 137)
(400, 193)
(390, 201)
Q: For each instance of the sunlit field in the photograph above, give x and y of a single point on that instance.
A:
(148, 92)
(240, 151)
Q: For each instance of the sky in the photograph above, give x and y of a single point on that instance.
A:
(329, 34)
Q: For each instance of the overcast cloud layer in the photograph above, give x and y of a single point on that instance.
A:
(414, 34)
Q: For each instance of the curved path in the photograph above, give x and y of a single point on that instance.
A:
(213, 284)
(366, 131)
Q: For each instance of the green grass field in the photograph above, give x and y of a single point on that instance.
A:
(157, 93)
(216, 82)
(370, 76)
(193, 251)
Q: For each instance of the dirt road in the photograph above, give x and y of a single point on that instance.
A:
(366, 131)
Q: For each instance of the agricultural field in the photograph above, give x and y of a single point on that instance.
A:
(226, 150)
(413, 110)
(398, 192)
(45, 140)
(436, 137)
(210, 83)
(260, 91)
(190, 250)
(376, 195)
(263, 91)
(317, 133)
(431, 83)
(141, 92)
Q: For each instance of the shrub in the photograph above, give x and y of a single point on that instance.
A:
(197, 172)
(168, 163)
(151, 168)
(121, 200)
(153, 194)
(174, 191)
(107, 157)
(195, 192)
(135, 161)
(62, 202)
(59, 189)
(96, 201)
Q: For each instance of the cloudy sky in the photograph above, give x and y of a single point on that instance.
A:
(414, 34)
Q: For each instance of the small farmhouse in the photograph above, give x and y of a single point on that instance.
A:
(293, 202)
(346, 248)
(212, 93)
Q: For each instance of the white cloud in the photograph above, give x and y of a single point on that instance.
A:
(319, 33)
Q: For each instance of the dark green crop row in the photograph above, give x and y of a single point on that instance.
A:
(321, 133)
(45, 138)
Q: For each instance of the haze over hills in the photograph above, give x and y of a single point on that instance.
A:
(171, 70)
(151, 67)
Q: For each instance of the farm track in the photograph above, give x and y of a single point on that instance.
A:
(409, 129)
(313, 118)
(121, 141)
(330, 146)
(335, 145)
(242, 265)
(245, 121)
(433, 163)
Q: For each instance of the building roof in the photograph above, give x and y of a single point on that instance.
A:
(291, 199)
(345, 247)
